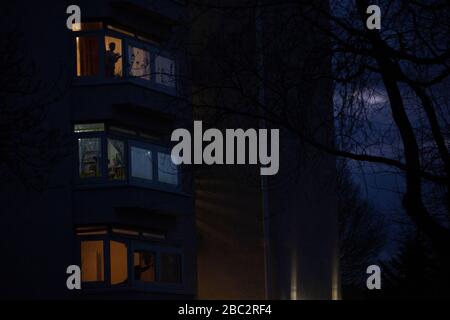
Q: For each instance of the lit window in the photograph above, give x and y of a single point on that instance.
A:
(113, 57)
(144, 266)
(170, 268)
(165, 71)
(90, 155)
(92, 261)
(116, 160)
(141, 163)
(89, 127)
(87, 56)
(119, 262)
(167, 170)
(138, 63)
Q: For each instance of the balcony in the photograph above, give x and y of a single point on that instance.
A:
(129, 168)
(117, 259)
(107, 54)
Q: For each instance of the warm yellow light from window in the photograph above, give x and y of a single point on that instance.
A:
(78, 58)
(119, 262)
(144, 266)
(92, 261)
(76, 27)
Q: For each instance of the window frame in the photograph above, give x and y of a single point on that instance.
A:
(134, 244)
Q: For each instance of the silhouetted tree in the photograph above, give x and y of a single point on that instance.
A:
(416, 271)
(361, 229)
(391, 105)
(28, 147)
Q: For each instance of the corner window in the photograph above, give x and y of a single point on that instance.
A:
(107, 155)
(116, 160)
(105, 52)
(138, 63)
(92, 261)
(90, 157)
(127, 259)
(87, 56)
(141, 163)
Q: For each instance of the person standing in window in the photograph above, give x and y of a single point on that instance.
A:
(144, 268)
(111, 59)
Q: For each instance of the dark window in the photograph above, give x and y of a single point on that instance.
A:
(170, 268)
(165, 71)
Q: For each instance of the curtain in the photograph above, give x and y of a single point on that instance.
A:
(88, 56)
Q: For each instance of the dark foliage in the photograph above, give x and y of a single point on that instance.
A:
(362, 233)
(416, 272)
(29, 149)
